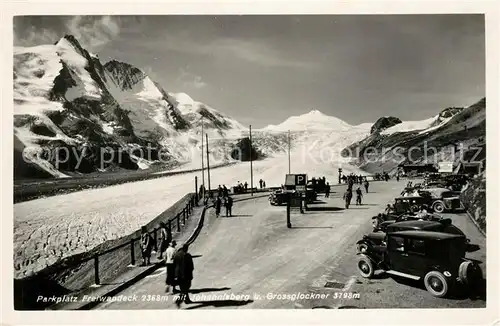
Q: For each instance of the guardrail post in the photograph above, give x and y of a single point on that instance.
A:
(178, 223)
(184, 217)
(170, 225)
(132, 252)
(96, 270)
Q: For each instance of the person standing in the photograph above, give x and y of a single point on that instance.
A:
(246, 186)
(218, 204)
(348, 197)
(169, 262)
(165, 238)
(367, 184)
(359, 196)
(184, 267)
(260, 183)
(229, 206)
(327, 190)
(146, 246)
(263, 184)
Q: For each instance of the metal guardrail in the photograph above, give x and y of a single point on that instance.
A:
(176, 222)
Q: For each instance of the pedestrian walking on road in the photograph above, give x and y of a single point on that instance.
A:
(184, 267)
(397, 177)
(218, 204)
(165, 238)
(261, 183)
(348, 197)
(229, 206)
(146, 246)
(359, 196)
(169, 262)
(367, 184)
(327, 190)
(246, 186)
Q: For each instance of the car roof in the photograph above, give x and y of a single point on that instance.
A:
(417, 224)
(427, 235)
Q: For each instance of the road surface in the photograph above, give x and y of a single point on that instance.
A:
(252, 260)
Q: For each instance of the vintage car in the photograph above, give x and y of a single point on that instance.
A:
(442, 199)
(377, 238)
(437, 258)
(280, 196)
(317, 185)
(456, 182)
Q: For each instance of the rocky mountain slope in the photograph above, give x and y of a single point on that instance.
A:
(433, 140)
(68, 106)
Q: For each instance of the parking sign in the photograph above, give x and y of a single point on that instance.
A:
(300, 179)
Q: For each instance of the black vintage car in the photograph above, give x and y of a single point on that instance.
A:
(437, 258)
(378, 238)
(280, 196)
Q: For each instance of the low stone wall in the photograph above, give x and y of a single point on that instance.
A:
(474, 200)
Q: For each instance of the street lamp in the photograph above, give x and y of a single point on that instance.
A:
(340, 175)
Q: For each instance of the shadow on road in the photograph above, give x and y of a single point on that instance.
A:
(324, 209)
(195, 291)
(478, 292)
(196, 256)
(312, 227)
(241, 215)
(219, 303)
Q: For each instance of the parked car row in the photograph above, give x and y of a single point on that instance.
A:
(422, 247)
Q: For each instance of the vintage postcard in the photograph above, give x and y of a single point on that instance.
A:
(252, 162)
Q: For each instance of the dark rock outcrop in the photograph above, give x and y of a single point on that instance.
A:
(384, 123)
(243, 149)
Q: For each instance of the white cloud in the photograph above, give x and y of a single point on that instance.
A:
(250, 51)
(93, 32)
(35, 36)
(190, 79)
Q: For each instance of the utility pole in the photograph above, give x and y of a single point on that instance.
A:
(251, 162)
(208, 165)
(289, 164)
(202, 164)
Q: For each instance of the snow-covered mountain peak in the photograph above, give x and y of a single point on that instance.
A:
(311, 121)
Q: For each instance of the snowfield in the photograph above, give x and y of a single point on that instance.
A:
(406, 126)
(48, 229)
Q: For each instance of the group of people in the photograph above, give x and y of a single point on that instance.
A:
(179, 262)
(262, 184)
(384, 176)
(147, 243)
(226, 201)
(351, 179)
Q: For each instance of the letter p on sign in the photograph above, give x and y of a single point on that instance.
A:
(300, 179)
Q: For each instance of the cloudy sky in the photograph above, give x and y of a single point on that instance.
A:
(263, 69)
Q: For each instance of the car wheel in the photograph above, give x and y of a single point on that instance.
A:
(468, 272)
(365, 266)
(362, 248)
(438, 207)
(436, 283)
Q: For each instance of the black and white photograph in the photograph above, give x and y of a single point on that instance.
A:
(249, 161)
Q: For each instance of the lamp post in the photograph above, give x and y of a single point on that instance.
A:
(208, 165)
(289, 164)
(340, 175)
(202, 163)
